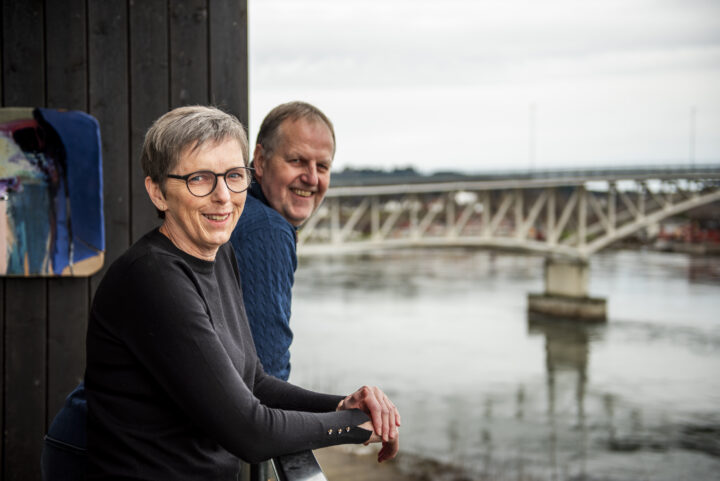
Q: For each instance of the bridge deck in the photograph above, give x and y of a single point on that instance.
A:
(573, 215)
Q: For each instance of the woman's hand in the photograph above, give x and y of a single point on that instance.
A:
(384, 415)
(389, 449)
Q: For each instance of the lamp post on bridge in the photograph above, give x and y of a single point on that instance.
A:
(691, 147)
(531, 140)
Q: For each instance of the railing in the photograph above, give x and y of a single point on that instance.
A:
(569, 216)
(290, 467)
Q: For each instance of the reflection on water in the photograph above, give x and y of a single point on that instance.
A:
(495, 395)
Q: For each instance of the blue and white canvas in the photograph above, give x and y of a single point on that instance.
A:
(51, 208)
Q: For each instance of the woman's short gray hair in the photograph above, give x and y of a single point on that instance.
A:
(183, 128)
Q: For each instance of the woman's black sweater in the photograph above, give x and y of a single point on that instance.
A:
(174, 386)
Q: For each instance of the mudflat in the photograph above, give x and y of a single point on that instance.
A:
(350, 463)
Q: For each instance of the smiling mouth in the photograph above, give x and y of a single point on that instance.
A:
(302, 193)
(216, 217)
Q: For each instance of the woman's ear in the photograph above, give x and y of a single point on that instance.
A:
(156, 195)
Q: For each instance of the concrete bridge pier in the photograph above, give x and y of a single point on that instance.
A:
(566, 292)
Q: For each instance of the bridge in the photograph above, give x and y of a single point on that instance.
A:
(572, 214)
(565, 215)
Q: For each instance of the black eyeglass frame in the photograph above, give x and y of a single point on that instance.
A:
(186, 177)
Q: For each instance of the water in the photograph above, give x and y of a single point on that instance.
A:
(493, 395)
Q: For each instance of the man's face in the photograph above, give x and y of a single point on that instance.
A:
(296, 175)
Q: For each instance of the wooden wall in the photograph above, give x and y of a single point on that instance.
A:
(126, 62)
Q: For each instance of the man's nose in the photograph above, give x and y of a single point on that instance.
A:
(310, 176)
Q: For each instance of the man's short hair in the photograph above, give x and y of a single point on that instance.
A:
(269, 134)
(186, 127)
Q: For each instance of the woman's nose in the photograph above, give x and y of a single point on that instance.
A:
(221, 192)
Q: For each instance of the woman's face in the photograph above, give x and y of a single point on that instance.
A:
(200, 225)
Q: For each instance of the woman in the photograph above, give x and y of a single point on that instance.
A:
(174, 386)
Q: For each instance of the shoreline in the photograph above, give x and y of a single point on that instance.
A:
(359, 463)
(356, 463)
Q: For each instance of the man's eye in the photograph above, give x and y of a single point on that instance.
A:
(236, 175)
(323, 167)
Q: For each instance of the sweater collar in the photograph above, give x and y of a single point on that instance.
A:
(257, 192)
(197, 264)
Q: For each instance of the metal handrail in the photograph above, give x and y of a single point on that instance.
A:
(301, 466)
(298, 467)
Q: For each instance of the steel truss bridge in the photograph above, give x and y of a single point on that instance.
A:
(571, 214)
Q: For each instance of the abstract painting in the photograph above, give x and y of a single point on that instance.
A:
(51, 210)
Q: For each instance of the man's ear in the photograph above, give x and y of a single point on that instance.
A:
(156, 195)
(258, 161)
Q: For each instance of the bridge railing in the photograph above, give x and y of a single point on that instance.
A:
(572, 216)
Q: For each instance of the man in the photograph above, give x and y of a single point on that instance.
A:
(292, 160)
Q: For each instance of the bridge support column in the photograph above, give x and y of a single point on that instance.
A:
(566, 293)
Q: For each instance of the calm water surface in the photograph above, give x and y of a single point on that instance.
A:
(494, 395)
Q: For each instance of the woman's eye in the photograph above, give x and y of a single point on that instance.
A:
(199, 178)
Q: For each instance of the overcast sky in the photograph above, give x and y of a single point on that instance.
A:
(476, 85)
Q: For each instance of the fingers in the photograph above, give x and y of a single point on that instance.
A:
(372, 407)
(383, 413)
(390, 416)
(389, 450)
(378, 402)
(394, 419)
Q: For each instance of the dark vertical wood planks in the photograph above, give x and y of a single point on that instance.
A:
(66, 57)
(188, 52)
(150, 88)
(228, 57)
(2, 283)
(2, 377)
(109, 103)
(126, 63)
(25, 300)
(23, 53)
(68, 298)
(25, 314)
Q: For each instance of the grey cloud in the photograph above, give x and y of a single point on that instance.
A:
(380, 43)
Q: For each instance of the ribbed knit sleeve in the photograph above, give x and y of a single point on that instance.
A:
(264, 245)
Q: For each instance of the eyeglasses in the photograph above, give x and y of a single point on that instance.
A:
(203, 182)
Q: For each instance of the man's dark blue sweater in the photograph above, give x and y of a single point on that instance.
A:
(265, 244)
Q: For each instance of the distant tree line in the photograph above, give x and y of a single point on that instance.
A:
(398, 175)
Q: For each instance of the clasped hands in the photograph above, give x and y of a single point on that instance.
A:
(384, 418)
